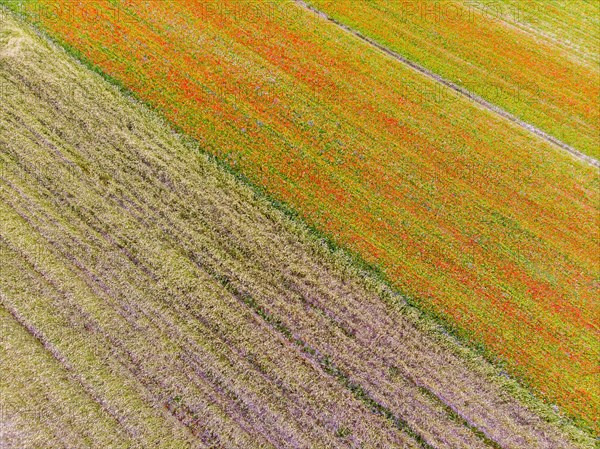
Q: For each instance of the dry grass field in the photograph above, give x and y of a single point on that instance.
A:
(152, 299)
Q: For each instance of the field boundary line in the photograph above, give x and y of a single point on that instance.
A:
(455, 87)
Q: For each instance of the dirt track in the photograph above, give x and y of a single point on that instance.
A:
(477, 99)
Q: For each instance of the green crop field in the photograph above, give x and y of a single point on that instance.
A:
(152, 299)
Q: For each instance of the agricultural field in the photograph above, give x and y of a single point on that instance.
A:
(476, 220)
(536, 59)
(150, 298)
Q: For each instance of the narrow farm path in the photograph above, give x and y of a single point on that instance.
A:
(456, 88)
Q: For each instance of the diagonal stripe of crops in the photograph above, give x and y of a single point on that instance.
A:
(480, 222)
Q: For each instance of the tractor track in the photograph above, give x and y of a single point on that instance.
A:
(455, 87)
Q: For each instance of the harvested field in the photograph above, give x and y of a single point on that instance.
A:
(477, 220)
(149, 298)
(536, 59)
